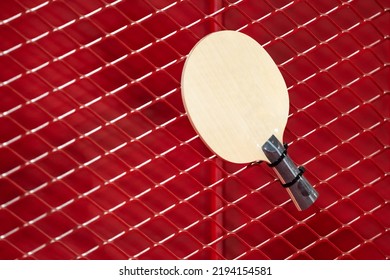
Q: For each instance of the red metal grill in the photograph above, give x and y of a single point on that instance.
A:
(99, 161)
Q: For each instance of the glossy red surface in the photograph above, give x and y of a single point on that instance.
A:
(99, 161)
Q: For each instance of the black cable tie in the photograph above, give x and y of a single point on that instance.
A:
(282, 156)
(301, 171)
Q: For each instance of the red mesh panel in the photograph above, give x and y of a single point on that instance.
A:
(99, 161)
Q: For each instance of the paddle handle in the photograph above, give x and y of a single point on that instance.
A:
(300, 190)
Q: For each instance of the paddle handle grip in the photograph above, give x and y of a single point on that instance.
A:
(300, 190)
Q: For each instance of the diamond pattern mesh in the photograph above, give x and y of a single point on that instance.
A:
(99, 161)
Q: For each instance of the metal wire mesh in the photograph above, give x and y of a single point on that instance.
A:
(99, 161)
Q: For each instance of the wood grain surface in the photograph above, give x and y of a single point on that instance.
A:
(235, 95)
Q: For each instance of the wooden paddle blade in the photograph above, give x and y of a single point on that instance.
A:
(235, 95)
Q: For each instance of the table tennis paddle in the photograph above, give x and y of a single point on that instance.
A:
(237, 101)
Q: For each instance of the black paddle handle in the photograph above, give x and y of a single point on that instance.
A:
(300, 190)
